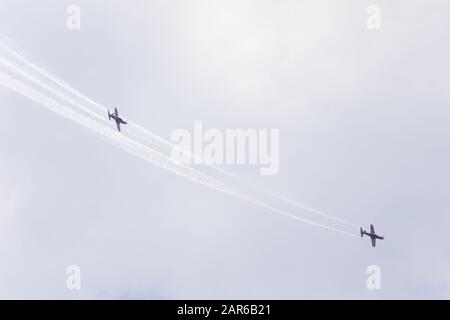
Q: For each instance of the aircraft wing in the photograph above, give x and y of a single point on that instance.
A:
(116, 112)
(373, 241)
(118, 125)
(372, 229)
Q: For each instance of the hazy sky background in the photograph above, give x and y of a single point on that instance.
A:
(364, 128)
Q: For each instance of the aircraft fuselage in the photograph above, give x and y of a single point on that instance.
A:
(118, 119)
(373, 235)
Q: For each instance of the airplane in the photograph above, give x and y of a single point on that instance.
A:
(116, 118)
(373, 236)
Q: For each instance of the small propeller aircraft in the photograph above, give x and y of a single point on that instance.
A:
(116, 118)
(373, 236)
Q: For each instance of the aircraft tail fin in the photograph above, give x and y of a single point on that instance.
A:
(109, 115)
(361, 231)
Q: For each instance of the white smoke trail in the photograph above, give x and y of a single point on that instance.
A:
(292, 216)
(140, 150)
(146, 132)
(13, 67)
(292, 202)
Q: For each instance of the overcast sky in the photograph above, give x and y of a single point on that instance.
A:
(364, 134)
